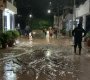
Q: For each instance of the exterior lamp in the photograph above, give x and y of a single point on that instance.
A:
(30, 15)
(50, 3)
(49, 11)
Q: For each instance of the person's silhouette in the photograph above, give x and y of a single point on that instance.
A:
(78, 33)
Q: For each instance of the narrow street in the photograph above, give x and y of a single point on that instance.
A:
(44, 59)
(38, 39)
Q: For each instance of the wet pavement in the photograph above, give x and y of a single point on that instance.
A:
(44, 59)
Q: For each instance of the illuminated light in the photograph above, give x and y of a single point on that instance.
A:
(47, 37)
(8, 19)
(34, 33)
(8, 71)
(17, 41)
(9, 11)
(49, 11)
(10, 75)
(50, 3)
(30, 36)
(30, 15)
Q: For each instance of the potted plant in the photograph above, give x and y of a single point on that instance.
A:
(88, 39)
(12, 35)
(15, 34)
(10, 39)
(3, 40)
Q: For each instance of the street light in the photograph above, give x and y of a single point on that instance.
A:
(49, 11)
(30, 15)
(50, 3)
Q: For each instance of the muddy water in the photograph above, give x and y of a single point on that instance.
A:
(42, 61)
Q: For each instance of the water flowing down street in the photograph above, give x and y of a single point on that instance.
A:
(44, 39)
(42, 60)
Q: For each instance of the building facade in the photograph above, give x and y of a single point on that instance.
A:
(83, 14)
(7, 15)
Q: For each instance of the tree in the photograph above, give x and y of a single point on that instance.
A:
(40, 23)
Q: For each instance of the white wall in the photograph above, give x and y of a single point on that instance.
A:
(84, 22)
(83, 9)
(11, 7)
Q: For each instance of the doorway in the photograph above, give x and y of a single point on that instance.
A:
(88, 23)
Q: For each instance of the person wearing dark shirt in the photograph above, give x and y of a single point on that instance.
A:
(78, 34)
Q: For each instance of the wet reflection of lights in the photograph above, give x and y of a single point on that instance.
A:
(47, 37)
(30, 36)
(9, 75)
(49, 66)
(48, 53)
(9, 71)
(17, 41)
(30, 43)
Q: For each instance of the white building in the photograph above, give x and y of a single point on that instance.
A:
(69, 21)
(83, 11)
(8, 15)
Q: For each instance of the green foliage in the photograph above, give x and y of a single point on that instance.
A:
(15, 33)
(40, 24)
(88, 34)
(8, 37)
(3, 38)
(12, 34)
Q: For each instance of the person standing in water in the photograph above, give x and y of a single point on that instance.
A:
(78, 35)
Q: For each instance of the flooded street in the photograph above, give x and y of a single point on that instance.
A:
(43, 59)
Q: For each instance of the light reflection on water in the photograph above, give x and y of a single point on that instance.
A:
(9, 71)
(49, 63)
(10, 75)
(48, 53)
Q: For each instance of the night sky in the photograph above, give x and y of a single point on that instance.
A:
(38, 8)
